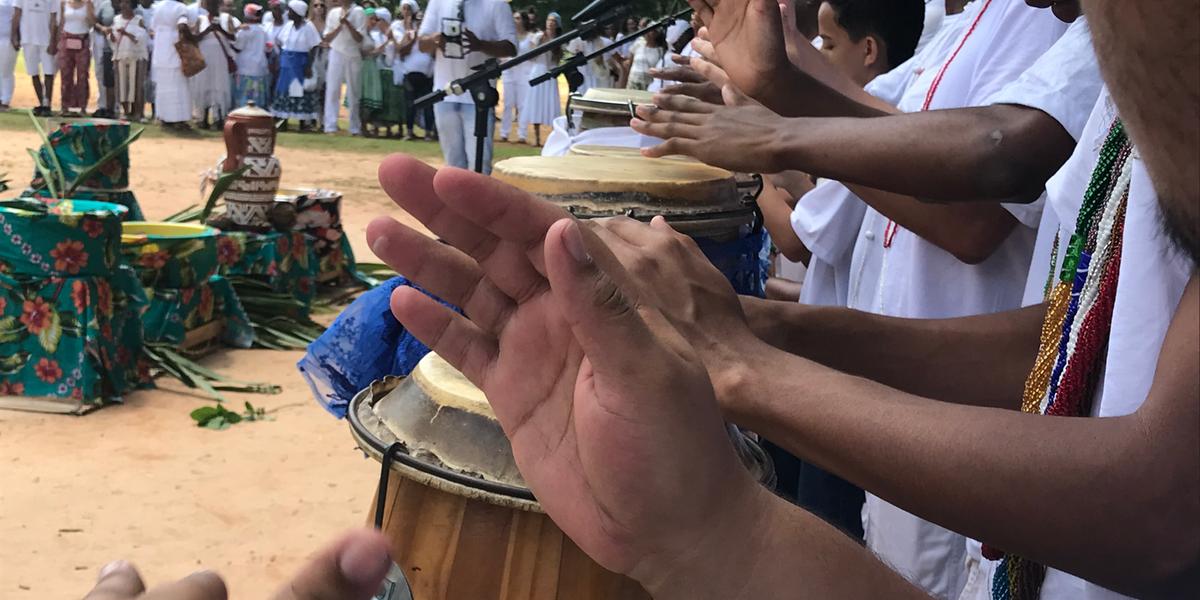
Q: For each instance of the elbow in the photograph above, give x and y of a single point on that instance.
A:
(1170, 565)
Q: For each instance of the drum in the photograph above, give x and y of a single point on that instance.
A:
(461, 522)
(698, 200)
(618, 151)
(606, 107)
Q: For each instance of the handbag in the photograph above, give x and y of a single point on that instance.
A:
(190, 57)
(72, 43)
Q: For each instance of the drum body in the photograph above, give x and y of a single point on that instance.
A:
(698, 200)
(463, 532)
(606, 107)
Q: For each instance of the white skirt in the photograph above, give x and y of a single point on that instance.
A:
(172, 98)
(541, 104)
(211, 87)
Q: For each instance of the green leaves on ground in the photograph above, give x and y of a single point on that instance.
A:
(165, 358)
(218, 417)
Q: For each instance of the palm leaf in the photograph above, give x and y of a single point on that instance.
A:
(49, 179)
(41, 131)
(191, 213)
(225, 180)
(104, 160)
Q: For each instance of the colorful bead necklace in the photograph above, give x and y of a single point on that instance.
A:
(889, 232)
(1065, 376)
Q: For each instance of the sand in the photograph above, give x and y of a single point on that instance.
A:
(141, 482)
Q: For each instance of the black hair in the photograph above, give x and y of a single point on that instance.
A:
(896, 23)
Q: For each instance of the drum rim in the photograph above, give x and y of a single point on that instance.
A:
(371, 444)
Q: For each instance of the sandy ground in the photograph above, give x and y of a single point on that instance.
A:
(141, 482)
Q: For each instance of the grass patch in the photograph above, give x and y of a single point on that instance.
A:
(14, 120)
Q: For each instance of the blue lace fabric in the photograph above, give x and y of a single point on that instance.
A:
(364, 343)
(743, 261)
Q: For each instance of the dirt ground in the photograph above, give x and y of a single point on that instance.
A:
(141, 482)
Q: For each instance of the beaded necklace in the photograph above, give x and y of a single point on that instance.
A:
(1075, 332)
(889, 232)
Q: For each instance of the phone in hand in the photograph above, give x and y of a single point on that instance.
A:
(453, 39)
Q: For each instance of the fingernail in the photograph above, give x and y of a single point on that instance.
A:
(573, 240)
(364, 563)
(111, 568)
(379, 246)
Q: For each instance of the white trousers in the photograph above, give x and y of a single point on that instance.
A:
(343, 70)
(927, 555)
(8, 77)
(514, 109)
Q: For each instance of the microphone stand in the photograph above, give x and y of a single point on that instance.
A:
(580, 60)
(479, 83)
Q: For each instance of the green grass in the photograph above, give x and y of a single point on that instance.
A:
(18, 120)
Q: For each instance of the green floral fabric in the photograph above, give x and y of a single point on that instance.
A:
(79, 145)
(286, 261)
(69, 309)
(172, 263)
(174, 312)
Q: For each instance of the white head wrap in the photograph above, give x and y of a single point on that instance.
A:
(383, 14)
(412, 4)
(298, 7)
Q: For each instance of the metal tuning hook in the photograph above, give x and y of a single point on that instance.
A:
(395, 585)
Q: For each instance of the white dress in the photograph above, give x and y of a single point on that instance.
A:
(542, 104)
(211, 88)
(516, 89)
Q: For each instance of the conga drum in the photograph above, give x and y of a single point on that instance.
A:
(606, 107)
(698, 200)
(462, 523)
(619, 152)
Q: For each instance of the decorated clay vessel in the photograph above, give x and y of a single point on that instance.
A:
(250, 141)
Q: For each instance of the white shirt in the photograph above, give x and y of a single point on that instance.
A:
(6, 16)
(303, 39)
(596, 73)
(489, 20)
(251, 44)
(344, 43)
(75, 20)
(935, 14)
(125, 48)
(167, 17)
(36, 16)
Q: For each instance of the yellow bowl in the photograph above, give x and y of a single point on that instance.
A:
(137, 232)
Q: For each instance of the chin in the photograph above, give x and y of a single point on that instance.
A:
(1066, 10)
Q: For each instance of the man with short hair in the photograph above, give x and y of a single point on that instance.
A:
(866, 38)
(35, 32)
(487, 30)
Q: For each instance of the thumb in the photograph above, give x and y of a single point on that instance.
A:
(602, 314)
(733, 96)
(350, 569)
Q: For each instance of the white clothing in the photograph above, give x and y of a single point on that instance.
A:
(644, 59)
(542, 103)
(343, 69)
(935, 14)
(251, 44)
(417, 61)
(212, 87)
(344, 43)
(38, 61)
(596, 74)
(8, 66)
(290, 39)
(916, 279)
(172, 97)
(516, 89)
(1153, 276)
(380, 40)
(489, 20)
(6, 19)
(124, 47)
(36, 16)
(827, 220)
(666, 62)
(75, 20)
(560, 140)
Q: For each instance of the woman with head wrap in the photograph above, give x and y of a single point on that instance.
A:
(253, 66)
(212, 88)
(295, 94)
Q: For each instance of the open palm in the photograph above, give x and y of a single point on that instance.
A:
(603, 402)
(747, 36)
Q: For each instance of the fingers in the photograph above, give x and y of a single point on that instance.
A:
(683, 104)
(704, 8)
(507, 212)
(654, 114)
(710, 71)
(670, 147)
(629, 231)
(603, 317)
(118, 581)
(705, 48)
(349, 569)
(204, 585)
(683, 74)
(734, 97)
(449, 334)
(441, 270)
(705, 92)
(668, 131)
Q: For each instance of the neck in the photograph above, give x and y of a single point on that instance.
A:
(953, 7)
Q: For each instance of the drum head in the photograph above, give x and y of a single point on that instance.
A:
(619, 151)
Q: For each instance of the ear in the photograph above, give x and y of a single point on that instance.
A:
(872, 52)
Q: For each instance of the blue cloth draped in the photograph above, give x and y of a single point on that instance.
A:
(291, 68)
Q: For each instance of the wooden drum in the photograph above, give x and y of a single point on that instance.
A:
(461, 521)
(606, 107)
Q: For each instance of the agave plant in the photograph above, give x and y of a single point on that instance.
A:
(53, 178)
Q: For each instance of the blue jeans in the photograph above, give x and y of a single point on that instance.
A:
(456, 133)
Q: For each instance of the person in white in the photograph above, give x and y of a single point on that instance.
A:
(74, 54)
(487, 30)
(172, 96)
(35, 32)
(515, 82)
(542, 103)
(345, 30)
(298, 40)
(212, 88)
(102, 59)
(644, 58)
(250, 83)
(8, 54)
(417, 68)
(128, 39)
(597, 73)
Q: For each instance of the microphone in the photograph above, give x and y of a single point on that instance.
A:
(597, 8)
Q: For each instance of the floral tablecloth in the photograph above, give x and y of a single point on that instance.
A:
(77, 146)
(286, 261)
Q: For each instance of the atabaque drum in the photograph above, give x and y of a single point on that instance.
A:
(461, 521)
(606, 107)
(698, 200)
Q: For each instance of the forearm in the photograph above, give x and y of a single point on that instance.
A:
(498, 48)
(969, 231)
(981, 360)
(777, 218)
(781, 551)
(795, 93)
(428, 43)
(996, 153)
(1094, 497)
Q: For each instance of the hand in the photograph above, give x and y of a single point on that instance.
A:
(350, 569)
(471, 41)
(739, 137)
(52, 49)
(747, 37)
(795, 183)
(439, 40)
(688, 81)
(612, 421)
